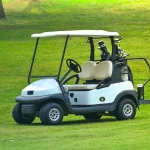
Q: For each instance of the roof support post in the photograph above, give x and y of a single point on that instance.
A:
(65, 46)
(31, 66)
(90, 39)
(113, 47)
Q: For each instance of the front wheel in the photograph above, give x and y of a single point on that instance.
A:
(51, 113)
(126, 109)
(19, 117)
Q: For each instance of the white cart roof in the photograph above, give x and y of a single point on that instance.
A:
(87, 33)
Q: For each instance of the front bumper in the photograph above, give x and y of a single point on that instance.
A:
(31, 99)
(28, 109)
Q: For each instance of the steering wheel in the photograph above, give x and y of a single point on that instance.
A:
(73, 65)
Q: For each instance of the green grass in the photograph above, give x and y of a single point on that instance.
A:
(129, 17)
(79, 134)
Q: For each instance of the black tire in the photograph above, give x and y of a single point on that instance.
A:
(126, 109)
(92, 116)
(19, 118)
(51, 114)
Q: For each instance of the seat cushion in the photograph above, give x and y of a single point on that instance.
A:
(87, 72)
(103, 70)
(81, 86)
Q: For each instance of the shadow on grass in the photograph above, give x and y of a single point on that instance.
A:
(84, 122)
(75, 122)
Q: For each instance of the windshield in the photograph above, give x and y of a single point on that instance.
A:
(50, 50)
(47, 58)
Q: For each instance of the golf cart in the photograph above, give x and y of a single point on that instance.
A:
(107, 87)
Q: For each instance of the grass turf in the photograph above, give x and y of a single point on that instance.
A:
(130, 18)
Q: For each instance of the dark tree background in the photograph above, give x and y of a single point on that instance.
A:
(2, 13)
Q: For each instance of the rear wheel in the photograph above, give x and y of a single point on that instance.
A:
(51, 113)
(92, 116)
(126, 109)
(19, 117)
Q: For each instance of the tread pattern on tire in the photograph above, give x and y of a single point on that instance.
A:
(119, 110)
(17, 115)
(44, 113)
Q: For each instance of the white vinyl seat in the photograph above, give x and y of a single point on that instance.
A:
(87, 72)
(99, 71)
(81, 87)
(103, 70)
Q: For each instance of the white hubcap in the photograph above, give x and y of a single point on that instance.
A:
(54, 114)
(127, 110)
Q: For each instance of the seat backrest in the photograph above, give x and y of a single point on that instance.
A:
(103, 70)
(87, 72)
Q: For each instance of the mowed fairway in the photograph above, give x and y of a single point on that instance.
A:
(128, 17)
